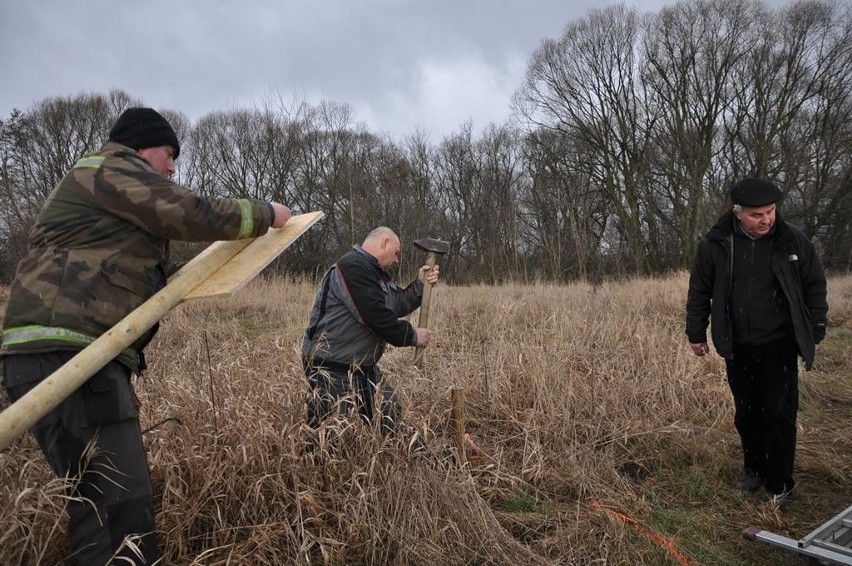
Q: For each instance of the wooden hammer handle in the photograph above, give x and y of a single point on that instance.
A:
(423, 321)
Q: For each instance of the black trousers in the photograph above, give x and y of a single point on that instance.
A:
(764, 381)
(336, 389)
(93, 439)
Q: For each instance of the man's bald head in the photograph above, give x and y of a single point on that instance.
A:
(383, 244)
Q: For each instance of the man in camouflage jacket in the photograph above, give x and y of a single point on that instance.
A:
(98, 250)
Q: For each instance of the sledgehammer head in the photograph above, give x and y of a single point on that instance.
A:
(432, 245)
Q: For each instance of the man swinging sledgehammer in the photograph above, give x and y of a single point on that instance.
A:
(356, 313)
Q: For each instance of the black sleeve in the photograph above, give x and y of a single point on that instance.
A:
(814, 291)
(369, 299)
(409, 299)
(698, 298)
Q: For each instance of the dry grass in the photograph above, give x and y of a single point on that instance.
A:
(579, 398)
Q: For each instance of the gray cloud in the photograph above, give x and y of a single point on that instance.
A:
(401, 64)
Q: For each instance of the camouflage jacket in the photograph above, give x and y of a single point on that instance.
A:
(99, 249)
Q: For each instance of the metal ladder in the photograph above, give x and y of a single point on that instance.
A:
(831, 542)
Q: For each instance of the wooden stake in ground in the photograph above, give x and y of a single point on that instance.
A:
(221, 269)
(457, 418)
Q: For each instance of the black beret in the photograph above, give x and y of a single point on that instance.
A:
(138, 128)
(753, 191)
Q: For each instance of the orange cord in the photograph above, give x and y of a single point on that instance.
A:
(650, 534)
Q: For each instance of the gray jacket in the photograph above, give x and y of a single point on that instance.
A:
(357, 312)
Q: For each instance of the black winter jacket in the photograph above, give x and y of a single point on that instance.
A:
(357, 311)
(795, 265)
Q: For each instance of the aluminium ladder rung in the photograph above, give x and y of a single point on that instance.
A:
(831, 541)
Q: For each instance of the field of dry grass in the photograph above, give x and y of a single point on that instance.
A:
(596, 438)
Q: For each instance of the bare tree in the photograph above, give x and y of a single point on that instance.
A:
(587, 86)
(499, 231)
(234, 154)
(692, 50)
(565, 220)
(455, 173)
(814, 145)
(38, 148)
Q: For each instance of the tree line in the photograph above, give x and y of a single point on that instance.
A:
(626, 134)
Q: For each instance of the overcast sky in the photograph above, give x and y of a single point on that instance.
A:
(400, 64)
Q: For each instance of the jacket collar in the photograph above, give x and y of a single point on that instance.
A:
(121, 150)
(373, 261)
(115, 147)
(724, 228)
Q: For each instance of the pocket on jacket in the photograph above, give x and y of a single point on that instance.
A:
(93, 294)
(127, 280)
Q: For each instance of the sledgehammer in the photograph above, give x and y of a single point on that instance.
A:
(432, 247)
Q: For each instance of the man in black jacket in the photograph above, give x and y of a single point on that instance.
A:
(761, 283)
(356, 313)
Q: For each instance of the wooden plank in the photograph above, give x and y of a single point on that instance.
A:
(258, 254)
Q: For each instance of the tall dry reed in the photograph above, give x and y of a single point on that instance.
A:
(585, 411)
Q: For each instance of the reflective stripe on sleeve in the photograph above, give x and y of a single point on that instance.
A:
(91, 162)
(247, 223)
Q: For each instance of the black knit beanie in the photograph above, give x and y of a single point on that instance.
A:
(139, 128)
